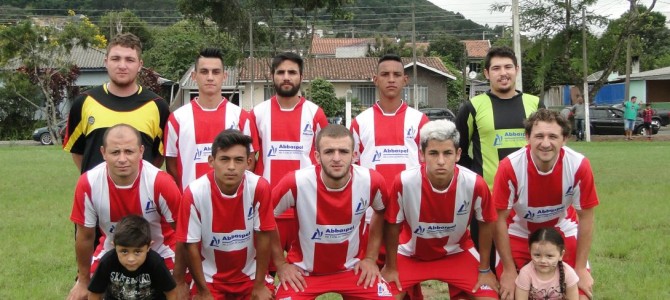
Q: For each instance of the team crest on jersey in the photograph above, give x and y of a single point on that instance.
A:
(308, 129)
(250, 214)
(411, 133)
(419, 230)
(362, 206)
(383, 289)
(318, 234)
(464, 209)
(149, 207)
(91, 120)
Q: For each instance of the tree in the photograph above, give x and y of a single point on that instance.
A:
(43, 54)
(322, 92)
(16, 114)
(115, 22)
(177, 46)
(448, 47)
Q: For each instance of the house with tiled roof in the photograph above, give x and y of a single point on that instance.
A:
(476, 51)
(355, 74)
(339, 47)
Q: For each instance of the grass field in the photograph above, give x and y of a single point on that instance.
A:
(629, 257)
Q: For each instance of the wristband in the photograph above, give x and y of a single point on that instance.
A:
(484, 271)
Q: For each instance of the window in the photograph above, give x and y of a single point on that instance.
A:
(422, 94)
(268, 91)
(365, 93)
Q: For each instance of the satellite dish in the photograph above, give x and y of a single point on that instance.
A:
(472, 75)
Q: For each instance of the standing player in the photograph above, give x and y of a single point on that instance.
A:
(123, 184)
(386, 135)
(120, 100)
(330, 200)
(287, 125)
(192, 128)
(433, 202)
(492, 123)
(544, 184)
(227, 219)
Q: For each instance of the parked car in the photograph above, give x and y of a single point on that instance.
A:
(42, 134)
(438, 113)
(609, 120)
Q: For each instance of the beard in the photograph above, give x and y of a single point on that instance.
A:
(330, 174)
(287, 93)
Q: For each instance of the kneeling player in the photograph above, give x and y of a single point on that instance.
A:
(433, 202)
(330, 201)
(228, 218)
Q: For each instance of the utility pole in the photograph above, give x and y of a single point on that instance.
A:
(251, 61)
(585, 93)
(517, 42)
(416, 92)
(632, 15)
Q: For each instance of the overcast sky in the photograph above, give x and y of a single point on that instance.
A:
(479, 10)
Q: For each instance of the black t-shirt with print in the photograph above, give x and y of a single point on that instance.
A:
(149, 281)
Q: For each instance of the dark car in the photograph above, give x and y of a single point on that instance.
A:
(42, 134)
(438, 114)
(609, 120)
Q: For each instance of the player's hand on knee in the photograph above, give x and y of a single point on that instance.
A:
(290, 275)
(507, 285)
(369, 272)
(487, 279)
(391, 275)
(261, 292)
(78, 292)
(585, 282)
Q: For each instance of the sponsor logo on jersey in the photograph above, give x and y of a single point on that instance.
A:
(498, 140)
(202, 151)
(419, 230)
(377, 157)
(308, 129)
(383, 289)
(112, 228)
(332, 233)
(362, 206)
(250, 214)
(91, 120)
(485, 287)
(272, 152)
(464, 209)
(544, 213)
(570, 191)
(229, 239)
(317, 234)
(411, 133)
(233, 125)
(150, 207)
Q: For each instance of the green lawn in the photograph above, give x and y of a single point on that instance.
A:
(629, 257)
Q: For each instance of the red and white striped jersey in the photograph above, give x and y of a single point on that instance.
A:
(387, 143)
(154, 196)
(287, 138)
(225, 225)
(435, 222)
(544, 199)
(329, 221)
(191, 129)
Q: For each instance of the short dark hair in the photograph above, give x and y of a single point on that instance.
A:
(389, 57)
(209, 53)
(334, 131)
(120, 125)
(132, 231)
(549, 116)
(499, 52)
(228, 138)
(127, 40)
(281, 57)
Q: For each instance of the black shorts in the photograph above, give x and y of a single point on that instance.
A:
(647, 125)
